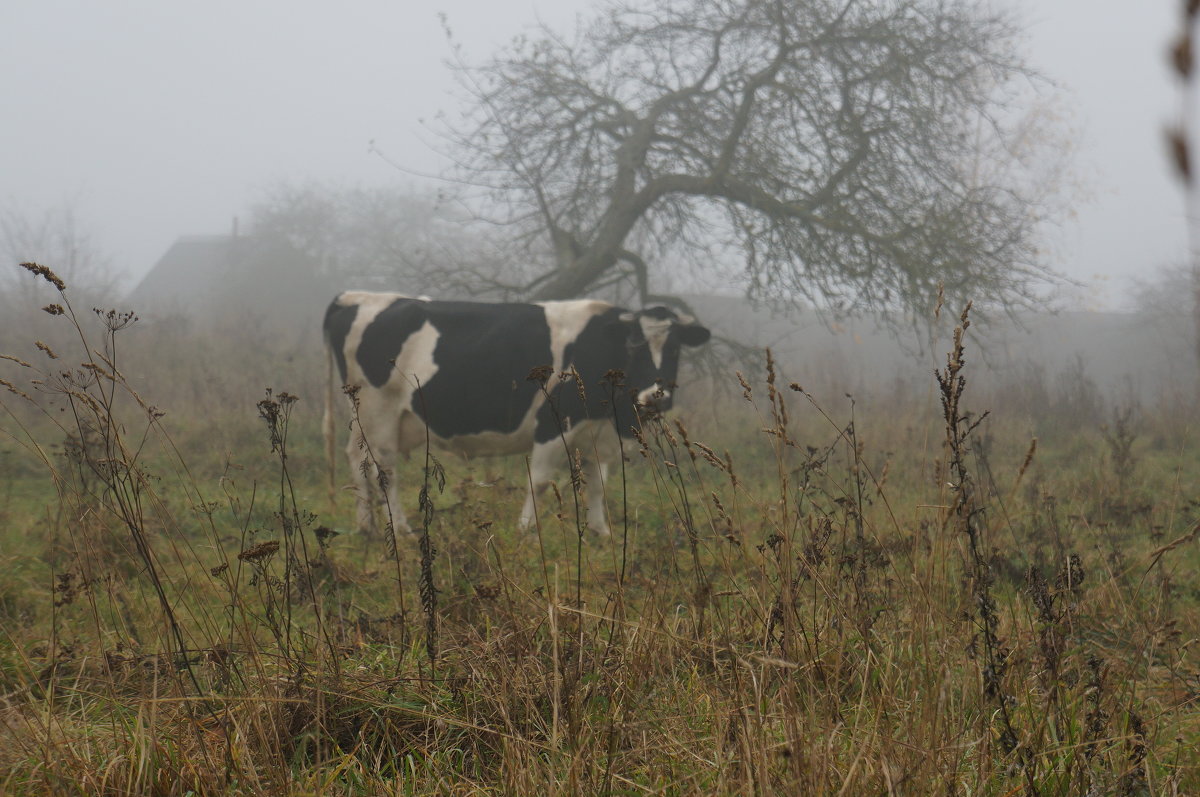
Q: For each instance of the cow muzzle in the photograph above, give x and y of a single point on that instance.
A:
(656, 397)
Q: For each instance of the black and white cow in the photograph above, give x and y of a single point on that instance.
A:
(462, 369)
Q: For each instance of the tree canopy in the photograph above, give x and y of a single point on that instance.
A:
(383, 237)
(853, 153)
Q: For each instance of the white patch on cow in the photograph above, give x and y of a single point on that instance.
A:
(566, 321)
(370, 305)
(595, 442)
(414, 363)
(652, 395)
(656, 330)
(369, 299)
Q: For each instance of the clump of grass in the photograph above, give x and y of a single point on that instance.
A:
(1120, 436)
(806, 599)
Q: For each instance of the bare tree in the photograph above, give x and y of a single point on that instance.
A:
(386, 238)
(1165, 292)
(853, 153)
(57, 238)
(54, 237)
(1179, 141)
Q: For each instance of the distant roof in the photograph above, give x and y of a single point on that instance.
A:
(188, 273)
(213, 276)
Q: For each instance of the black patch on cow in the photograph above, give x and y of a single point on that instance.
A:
(385, 336)
(338, 320)
(659, 313)
(484, 354)
(693, 335)
(602, 347)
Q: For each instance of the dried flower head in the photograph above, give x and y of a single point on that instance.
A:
(1178, 146)
(615, 377)
(54, 309)
(44, 347)
(746, 392)
(11, 388)
(262, 550)
(45, 273)
(541, 374)
(115, 320)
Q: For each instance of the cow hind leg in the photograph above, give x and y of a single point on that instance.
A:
(391, 508)
(362, 473)
(387, 462)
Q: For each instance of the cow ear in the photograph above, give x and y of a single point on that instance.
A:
(693, 334)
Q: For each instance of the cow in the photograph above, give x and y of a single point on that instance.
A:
(490, 379)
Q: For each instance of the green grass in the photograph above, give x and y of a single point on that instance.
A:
(806, 621)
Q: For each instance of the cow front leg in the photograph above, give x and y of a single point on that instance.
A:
(543, 462)
(366, 465)
(387, 460)
(594, 473)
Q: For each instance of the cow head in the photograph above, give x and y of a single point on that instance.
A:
(653, 340)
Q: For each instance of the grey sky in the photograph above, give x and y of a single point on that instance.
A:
(156, 119)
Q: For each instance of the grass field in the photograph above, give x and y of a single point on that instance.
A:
(871, 596)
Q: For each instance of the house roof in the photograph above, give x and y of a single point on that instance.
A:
(188, 273)
(223, 276)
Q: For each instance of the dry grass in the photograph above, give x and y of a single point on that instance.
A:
(803, 600)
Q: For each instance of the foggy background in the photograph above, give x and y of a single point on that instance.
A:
(157, 120)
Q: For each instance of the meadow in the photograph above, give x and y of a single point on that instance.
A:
(901, 592)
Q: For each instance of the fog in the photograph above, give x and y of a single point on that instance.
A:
(150, 124)
(156, 120)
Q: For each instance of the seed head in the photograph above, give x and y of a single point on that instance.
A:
(540, 374)
(45, 273)
(11, 388)
(260, 551)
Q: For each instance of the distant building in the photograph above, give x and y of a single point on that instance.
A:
(186, 278)
(227, 279)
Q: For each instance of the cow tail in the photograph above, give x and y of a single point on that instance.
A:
(327, 424)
